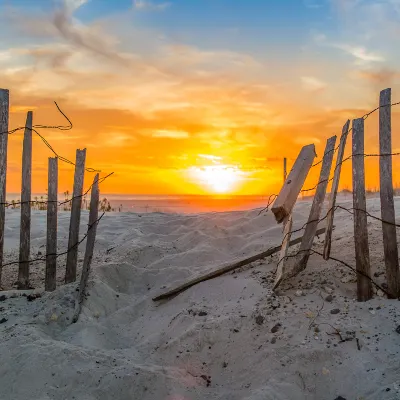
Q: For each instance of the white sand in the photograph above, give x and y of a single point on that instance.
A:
(205, 343)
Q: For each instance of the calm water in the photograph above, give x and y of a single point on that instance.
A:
(173, 203)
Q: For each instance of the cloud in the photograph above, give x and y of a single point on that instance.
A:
(149, 5)
(362, 55)
(170, 134)
(313, 84)
(313, 4)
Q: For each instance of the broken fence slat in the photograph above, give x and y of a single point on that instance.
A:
(299, 263)
(285, 247)
(227, 268)
(287, 197)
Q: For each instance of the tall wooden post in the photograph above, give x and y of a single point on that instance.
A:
(72, 256)
(91, 238)
(364, 288)
(52, 210)
(386, 193)
(25, 228)
(334, 190)
(4, 115)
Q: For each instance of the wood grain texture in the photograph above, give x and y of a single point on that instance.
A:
(386, 195)
(227, 268)
(72, 256)
(51, 240)
(287, 232)
(91, 238)
(26, 191)
(364, 287)
(297, 264)
(334, 190)
(287, 197)
(4, 117)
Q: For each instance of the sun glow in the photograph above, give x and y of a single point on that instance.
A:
(217, 178)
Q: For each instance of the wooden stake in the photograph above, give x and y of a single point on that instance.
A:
(25, 228)
(4, 115)
(287, 233)
(287, 197)
(334, 190)
(364, 287)
(227, 268)
(91, 238)
(284, 170)
(72, 256)
(52, 210)
(299, 263)
(386, 194)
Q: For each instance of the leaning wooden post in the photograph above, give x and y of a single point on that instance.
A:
(299, 263)
(364, 287)
(4, 115)
(386, 193)
(25, 227)
(334, 190)
(91, 238)
(52, 210)
(287, 197)
(72, 256)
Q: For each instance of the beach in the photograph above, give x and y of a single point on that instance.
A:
(231, 337)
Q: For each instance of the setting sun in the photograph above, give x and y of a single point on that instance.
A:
(217, 178)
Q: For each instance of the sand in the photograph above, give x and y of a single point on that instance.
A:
(227, 338)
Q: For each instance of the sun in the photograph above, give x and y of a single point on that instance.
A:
(217, 178)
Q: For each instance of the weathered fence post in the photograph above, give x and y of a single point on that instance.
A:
(284, 169)
(25, 228)
(72, 256)
(364, 288)
(4, 115)
(91, 238)
(287, 197)
(51, 242)
(334, 190)
(386, 194)
(299, 263)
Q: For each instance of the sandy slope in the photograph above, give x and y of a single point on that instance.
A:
(219, 339)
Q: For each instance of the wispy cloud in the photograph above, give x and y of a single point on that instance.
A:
(362, 55)
(313, 84)
(170, 134)
(150, 5)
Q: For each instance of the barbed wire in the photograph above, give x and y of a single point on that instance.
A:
(60, 127)
(57, 255)
(364, 117)
(59, 203)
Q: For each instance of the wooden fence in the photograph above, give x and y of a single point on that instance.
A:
(52, 208)
(285, 201)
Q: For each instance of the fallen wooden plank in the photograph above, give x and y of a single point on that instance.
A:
(287, 197)
(386, 194)
(229, 267)
(334, 190)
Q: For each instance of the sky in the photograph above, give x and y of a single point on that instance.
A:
(195, 96)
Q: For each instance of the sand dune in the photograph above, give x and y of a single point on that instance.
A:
(227, 338)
